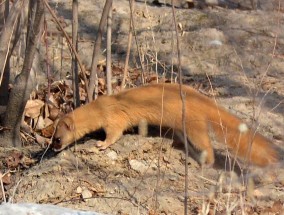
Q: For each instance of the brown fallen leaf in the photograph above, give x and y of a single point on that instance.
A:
(48, 131)
(48, 122)
(26, 127)
(83, 94)
(33, 108)
(14, 159)
(40, 123)
(44, 142)
(54, 113)
(6, 178)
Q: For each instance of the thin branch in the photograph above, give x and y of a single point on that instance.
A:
(75, 79)
(2, 188)
(47, 59)
(125, 71)
(93, 85)
(131, 5)
(71, 46)
(182, 96)
(108, 60)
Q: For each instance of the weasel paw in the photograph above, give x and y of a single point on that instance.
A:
(102, 145)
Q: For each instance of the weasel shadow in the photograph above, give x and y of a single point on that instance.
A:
(42, 155)
(221, 161)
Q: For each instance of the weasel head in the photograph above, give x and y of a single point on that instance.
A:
(64, 134)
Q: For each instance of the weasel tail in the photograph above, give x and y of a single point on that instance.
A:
(160, 104)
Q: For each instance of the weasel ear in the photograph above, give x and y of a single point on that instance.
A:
(69, 123)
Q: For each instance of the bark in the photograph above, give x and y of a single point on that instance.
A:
(7, 43)
(22, 87)
(4, 84)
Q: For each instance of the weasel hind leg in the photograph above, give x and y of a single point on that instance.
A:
(197, 133)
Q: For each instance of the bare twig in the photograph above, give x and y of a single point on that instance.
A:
(71, 46)
(125, 72)
(93, 85)
(47, 59)
(2, 187)
(131, 5)
(182, 96)
(108, 59)
(75, 78)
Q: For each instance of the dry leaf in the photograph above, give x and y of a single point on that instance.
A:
(48, 131)
(14, 159)
(48, 122)
(42, 140)
(54, 113)
(180, 26)
(26, 127)
(46, 111)
(6, 178)
(102, 82)
(83, 94)
(277, 207)
(53, 101)
(33, 108)
(40, 123)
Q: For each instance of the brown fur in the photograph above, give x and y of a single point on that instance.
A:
(161, 104)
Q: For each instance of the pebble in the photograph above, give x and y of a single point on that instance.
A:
(112, 155)
(86, 194)
(79, 190)
(138, 166)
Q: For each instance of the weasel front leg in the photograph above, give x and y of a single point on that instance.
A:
(112, 135)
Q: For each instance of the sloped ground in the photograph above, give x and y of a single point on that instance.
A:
(235, 56)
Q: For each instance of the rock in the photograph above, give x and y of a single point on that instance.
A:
(112, 155)
(79, 190)
(138, 166)
(86, 194)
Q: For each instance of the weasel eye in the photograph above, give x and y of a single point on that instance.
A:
(57, 140)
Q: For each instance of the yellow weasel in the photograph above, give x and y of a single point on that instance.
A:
(160, 104)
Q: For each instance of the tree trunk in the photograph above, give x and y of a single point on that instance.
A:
(4, 85)
(7, 43)
(22, 87)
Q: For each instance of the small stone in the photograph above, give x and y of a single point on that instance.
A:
(173, 177)
(79, 190)
(56, 168)
(112, 155)
(181, 198)
(86, 194)
(138, 166)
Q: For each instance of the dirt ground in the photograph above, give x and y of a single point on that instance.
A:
(228, 52)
